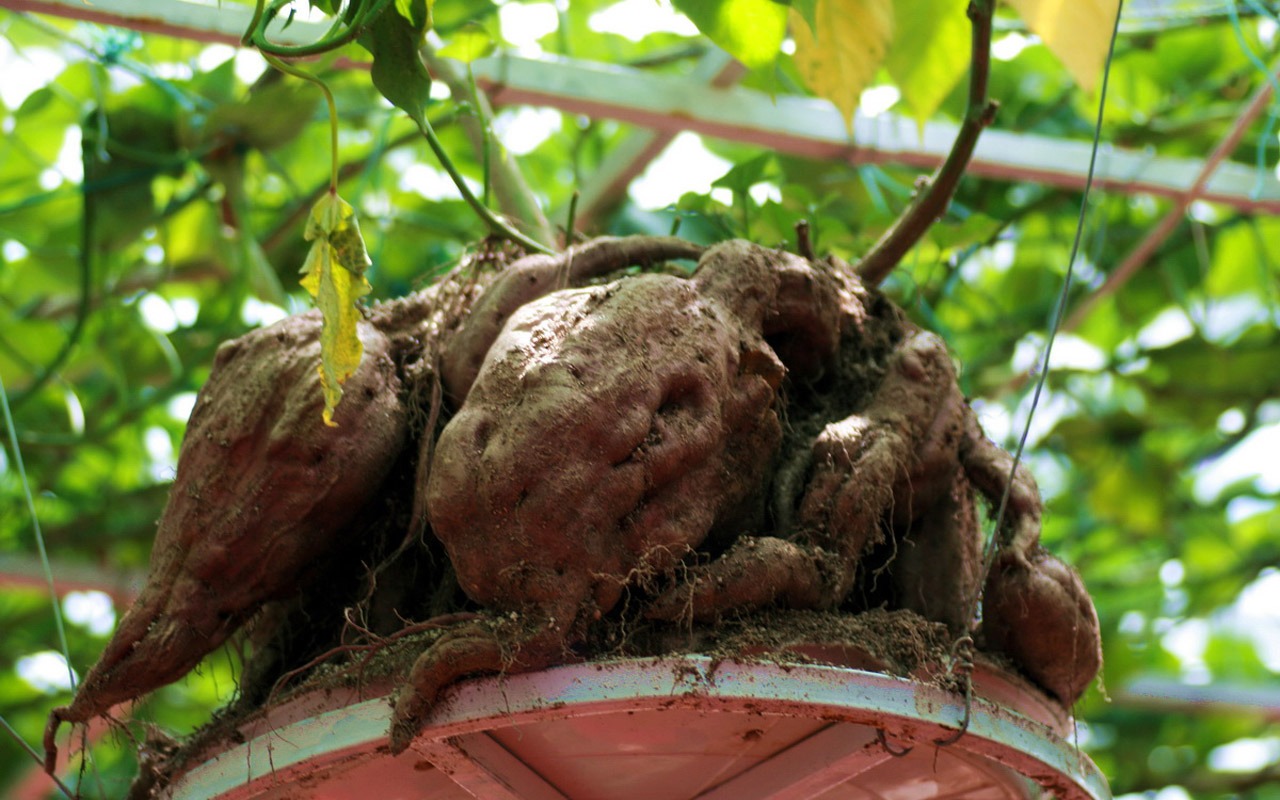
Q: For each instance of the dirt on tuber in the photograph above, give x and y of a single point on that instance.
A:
(585, 442)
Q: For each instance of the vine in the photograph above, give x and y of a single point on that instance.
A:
(333, 273)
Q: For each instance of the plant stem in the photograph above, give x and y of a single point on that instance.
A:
(931, 203)
(496, 224)
(256, 35)
(289, 69)
(515, 198)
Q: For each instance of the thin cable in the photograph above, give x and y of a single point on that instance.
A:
(35, 524)
(32, 752)
(989, 556)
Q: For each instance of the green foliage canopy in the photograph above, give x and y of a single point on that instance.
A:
(153, 193)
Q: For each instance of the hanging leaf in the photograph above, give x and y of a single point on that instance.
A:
(750, 30)
(1078, 33)
(808, 11)
(930, 53)
(468, 44)
(838, 58)
(334, 276)
(394, 41)
(405, 9)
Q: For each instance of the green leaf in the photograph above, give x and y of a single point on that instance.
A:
(469, 44)
(398, 72)
(750, 30)
(741, 177)
(839, 56)
(334, 276)
(930, 52)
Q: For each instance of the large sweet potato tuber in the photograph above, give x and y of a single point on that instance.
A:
(609, 431)
(766, 431)
(263, 490)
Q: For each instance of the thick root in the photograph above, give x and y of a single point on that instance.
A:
(476, 649)
(755, 573)
(473, 650)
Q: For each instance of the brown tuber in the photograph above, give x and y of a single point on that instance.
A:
(767, 431)
(610, 430)
(613, 437)
(264, 492)
(1037, 611)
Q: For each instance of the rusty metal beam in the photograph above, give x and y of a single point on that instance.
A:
(18, 571)
(791, 124)
(814, 129)
(1157, 236)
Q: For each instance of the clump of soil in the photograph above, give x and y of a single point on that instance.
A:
(561, 459)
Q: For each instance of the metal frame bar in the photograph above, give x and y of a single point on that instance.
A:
(628, 160)
(185, 19)
(797, 125)
(1172, 695)
(814, 129)
(1145, 249)
(26, 572)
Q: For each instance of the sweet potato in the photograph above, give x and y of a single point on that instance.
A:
(263, 491)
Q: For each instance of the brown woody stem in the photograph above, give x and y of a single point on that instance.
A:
(932, 202)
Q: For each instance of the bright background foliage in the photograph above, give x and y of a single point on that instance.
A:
(153, 192)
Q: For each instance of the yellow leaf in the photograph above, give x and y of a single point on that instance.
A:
(841, 57)
(334, 276)
(1077, 32)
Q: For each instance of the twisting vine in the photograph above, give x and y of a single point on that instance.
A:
(333, 273)
(394, 39)
(345, 29)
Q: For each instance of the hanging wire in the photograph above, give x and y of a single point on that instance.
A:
(1061, 306)
(16, 450)
(962, 655)
(17, 737)
(35, 524)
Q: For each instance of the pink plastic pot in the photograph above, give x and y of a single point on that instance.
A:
(677, 728)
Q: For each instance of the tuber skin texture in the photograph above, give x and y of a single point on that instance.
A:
(263, 491)
(610, 435)
(536, 276)
(1036, 611)
(895, 464)
(767, 431)
(265, 494)
(609, 431)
